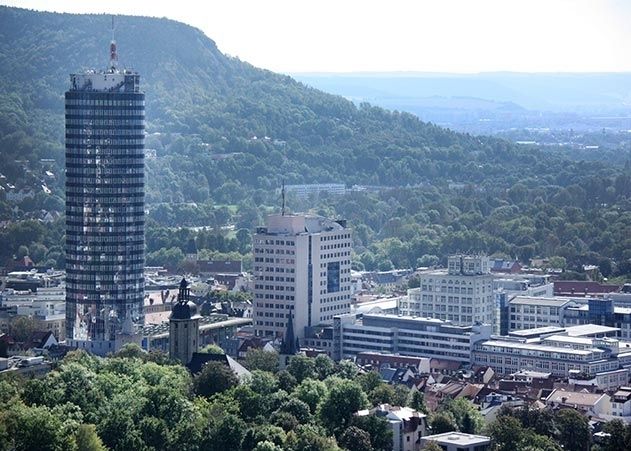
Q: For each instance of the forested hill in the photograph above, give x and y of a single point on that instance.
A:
(223, 134)
(193, 89)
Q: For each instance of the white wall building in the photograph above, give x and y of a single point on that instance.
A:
(621, 403)
(593, 404)
(462, 294)
(408, 425)
(302, 263)
(406, 336)
(580, 354)
(337, 189)
(527, 312)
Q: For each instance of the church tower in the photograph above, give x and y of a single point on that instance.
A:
(183, 326)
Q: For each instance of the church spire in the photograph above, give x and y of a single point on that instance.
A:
(288, 347)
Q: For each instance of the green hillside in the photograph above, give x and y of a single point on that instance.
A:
(193, 89)
(226, 133)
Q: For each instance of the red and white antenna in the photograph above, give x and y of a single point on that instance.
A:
(113, 54)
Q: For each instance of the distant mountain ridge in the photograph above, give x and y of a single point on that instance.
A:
(540, 91)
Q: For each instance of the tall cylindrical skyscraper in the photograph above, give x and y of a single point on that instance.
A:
(105, 121)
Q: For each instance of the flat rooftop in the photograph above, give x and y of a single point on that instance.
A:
(569, 340)
(556, 301)
(457, 438)
(535, 332)
(586, 330)
(541, 347)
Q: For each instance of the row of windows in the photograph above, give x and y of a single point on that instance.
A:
(105, 102)
(121, 258)
(278, 297)
(87, 242)
(341, 262)
(336, 254)
(276, 279)
(105, 169)
(95, 192)
(109, 180)
(335, 298)
(103, 134)
(109, 122)
(126, 219)
(89, 272)
(267, 250)
(105, 202)
(275, 306)
(103, 269)
(552, 354)
(121, 113)
(272, 269)
(81, 141)
(335, 246)
(275, 242)
(327, 283)
(122, 289)
(131, 155)
(341, 289)
(90, 225)
(273, 315)
(337, 307)
(89, 296)
(269, 324)
(336, 237)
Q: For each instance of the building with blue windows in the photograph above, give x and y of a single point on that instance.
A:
(105, 122)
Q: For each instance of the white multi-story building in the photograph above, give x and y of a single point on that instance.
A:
(462, 294)
(406, 336)
(583, 353)
(526, 312)
(316, 188)
(621, 402)
(301, 263)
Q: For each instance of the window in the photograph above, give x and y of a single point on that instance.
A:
(333, 277)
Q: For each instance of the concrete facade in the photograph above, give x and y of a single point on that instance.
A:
(301, 263)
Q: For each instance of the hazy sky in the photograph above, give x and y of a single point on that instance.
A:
(399, 35)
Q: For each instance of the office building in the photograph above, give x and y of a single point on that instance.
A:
(534, 312)
(303, 191)
(302, 264)
(586, 352)
(105, 120)
(407, 336)
(353, 334)
(461, 294)
(529, 312)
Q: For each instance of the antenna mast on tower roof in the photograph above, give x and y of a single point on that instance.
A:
(113, 54)
(283, 195)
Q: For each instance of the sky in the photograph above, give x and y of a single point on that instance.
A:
(458, 36)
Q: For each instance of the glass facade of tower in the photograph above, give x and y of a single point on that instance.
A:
(105, 121)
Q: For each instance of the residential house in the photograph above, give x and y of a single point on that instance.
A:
(408, 425)
(592, 404)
